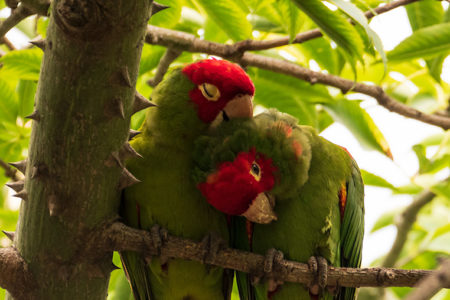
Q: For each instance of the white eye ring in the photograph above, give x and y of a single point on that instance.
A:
(209, 91)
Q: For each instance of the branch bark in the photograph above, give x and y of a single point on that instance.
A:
(14, 275)
(117, 236)
(163, 66)
(251, 45)
(188, 42)
(16, 16)
(432, 284)
(404, 224)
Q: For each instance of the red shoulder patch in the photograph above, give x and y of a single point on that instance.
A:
(342, 199)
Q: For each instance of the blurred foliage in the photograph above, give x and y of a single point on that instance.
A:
(410, 73)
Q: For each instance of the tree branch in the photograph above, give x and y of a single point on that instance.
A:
(188, 42)
(16, 16)
(164, 64)
(404, 224)
(14, 275)
(251, 45)
(118, 237)
(431, 284)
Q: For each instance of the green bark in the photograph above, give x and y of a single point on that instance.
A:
(83, 108)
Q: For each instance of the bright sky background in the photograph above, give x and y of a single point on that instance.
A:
(401, 133)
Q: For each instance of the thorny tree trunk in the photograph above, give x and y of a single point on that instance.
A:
(82, 111)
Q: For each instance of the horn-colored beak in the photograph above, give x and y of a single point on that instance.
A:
(261, 209)
(240, 106)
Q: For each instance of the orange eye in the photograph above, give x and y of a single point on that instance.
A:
(209, 91)
(255, 171)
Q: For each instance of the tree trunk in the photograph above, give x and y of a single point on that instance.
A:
(83, 108)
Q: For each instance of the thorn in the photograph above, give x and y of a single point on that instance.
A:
(114, 108)
(114, 160)
(20, 165)
(22, 194)
(132, 134)
(140, 103)
(125, 76)
(127, 151)
(39, 43)
(157, 7)
(127, 179)
(17, 186)
(9, 235)
(34, 116)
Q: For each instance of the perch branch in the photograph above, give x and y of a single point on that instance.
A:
(117, 236)
(163, 66)
(14, 18)
(188, 42)
(431, 284)
(14, 275)
(251, 45)
(404, 224)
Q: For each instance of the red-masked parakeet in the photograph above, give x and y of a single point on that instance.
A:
(292, 190)
(190, 101)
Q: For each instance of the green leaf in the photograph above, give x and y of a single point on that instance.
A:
(358, 121)
(290, 14)
(8, 103)
(213, 32)
(411, 189)
(374, 180)
(151, 55)
(358, 16)
(424, 13)
(168, 17)
(335, 26)
(229, 16)
(384, 220)
(441, 230)
(424, 43)
(25, 64)
(321, 51)
(26, 89)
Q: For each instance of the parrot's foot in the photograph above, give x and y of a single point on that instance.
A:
(212, 243)
(271, 259)
(159, 238)
(319, 266)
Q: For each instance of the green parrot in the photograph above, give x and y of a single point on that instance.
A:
(287, 188)
(190, 101)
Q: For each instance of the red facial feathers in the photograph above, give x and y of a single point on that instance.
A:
(232, 188)
(229, 78)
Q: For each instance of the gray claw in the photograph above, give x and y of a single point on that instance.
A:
(212, 243)
(159, 238)
(319, 266)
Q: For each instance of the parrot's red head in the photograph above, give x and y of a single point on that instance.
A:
(222, 90)
(239, 187)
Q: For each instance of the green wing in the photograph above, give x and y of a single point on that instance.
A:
(140, 281)
(352, 228)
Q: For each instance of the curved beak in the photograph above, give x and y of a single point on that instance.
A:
(261, 209)
(240, 106)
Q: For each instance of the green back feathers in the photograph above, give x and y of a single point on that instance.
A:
(272, 134)
(176, 113)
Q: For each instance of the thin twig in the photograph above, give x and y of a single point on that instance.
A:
(163, 66)
(432, 284)
(14, 275)
(16, 16)
(188, 42)
(117, 236)
(9, 171)
(404, 224)
(8, 43)
(251, 45)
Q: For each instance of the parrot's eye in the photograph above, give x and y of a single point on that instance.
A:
(209, 91)
(255, 171)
